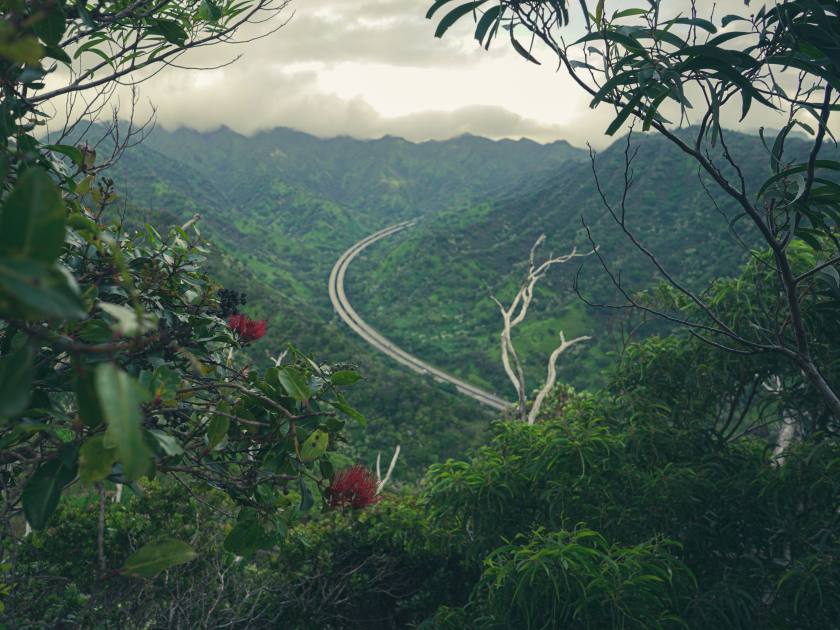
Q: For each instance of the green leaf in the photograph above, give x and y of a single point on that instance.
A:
(95, 331)
(522, 50)
(454, 15)
(615, 125)
(167, 443)
(490, 17)
(728, 19)
(314, 446)
(626, 12)
(294, 383)
(95, 459)
(706, 25)
(248, 535)
(437, 5)
(70, 151)
(32, 223)
(217, 431)
(84, 14)
(120, 397)
(43, 490)
(306, 498)
(348, 410)
(155, 557)
(27, 50)
(209, 11)
(345, 377)
(87, 403)
(51, 26)
(127, 321)
(57, 53)
(327, 469)
(171, 31)
(16, 381)
(31, 289)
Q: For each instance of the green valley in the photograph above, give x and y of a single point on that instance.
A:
(281, 207)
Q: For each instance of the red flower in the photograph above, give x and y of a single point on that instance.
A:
(247, 329)
(353, 487)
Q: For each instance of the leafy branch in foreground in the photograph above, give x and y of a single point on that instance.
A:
(118, 354)
(654, 68)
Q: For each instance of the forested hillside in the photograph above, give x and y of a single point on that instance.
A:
(281, 206)
(430, 287)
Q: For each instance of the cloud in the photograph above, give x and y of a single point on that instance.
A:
(368, 68)
(239, 103)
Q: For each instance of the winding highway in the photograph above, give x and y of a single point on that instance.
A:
(346, 311)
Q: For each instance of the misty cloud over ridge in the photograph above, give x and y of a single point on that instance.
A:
(370, 68)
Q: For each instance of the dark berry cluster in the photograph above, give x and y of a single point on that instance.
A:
(230, 301)
(174, 334)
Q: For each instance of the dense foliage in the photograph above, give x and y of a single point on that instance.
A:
(641, 506)
(118, 354)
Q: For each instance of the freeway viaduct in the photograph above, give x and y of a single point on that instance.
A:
(346, 311)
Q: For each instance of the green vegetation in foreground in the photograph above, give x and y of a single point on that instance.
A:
(639, 506)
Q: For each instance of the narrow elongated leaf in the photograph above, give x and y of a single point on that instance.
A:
(171, 31)
(456, 14)
(306, 498)
(87, 403)
(209, 11)
(348, 410)
(523, 51)
(698, 22)
(168, 444)
(433, 9)
(70, 151)
(487, 20)
(624, 113)
(153, 558)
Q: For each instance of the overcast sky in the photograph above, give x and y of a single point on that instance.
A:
(367, 68)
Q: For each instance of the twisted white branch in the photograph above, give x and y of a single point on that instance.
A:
(380, 482)
(515, 314)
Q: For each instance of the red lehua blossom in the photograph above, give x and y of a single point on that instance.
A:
(353, 487)
(247, 329)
